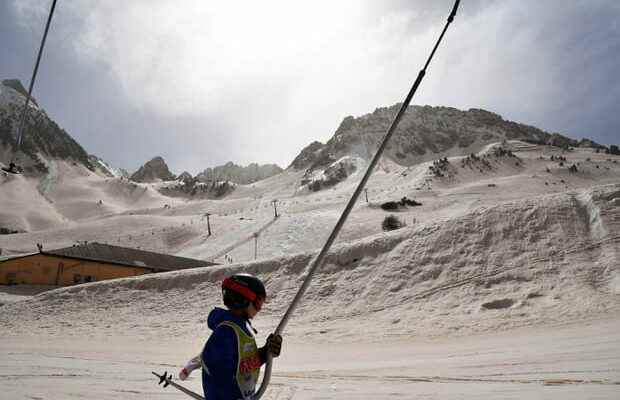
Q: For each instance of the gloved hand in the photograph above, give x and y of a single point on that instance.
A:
(191, 365)
(274, 345)
(183, 374)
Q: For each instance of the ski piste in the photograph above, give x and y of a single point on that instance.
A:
(167, 380)
(316, 263)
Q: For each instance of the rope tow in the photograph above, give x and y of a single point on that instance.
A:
(318, 261)
(14, 168)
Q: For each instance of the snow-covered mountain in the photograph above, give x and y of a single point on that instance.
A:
(43, 139)
(308, 155)
(238, 174)
(106, 169)
(425, 133)
(515, 243)
(217, 182)
(152, 171)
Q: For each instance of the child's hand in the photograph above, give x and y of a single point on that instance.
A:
(274, 344)
(183, 374)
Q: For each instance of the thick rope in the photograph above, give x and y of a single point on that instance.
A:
(20, 132)
(318, 261)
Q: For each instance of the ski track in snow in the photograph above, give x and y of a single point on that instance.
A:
(566, 362)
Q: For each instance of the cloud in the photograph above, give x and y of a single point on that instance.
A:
(534, 63)
(202, 82)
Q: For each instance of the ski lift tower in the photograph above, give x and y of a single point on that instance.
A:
(255, 244)
(275, 208)
(208, 223)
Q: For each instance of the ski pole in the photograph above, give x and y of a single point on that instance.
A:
(319, 259)
(167, 380)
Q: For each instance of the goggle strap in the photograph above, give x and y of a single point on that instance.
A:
(242, 290)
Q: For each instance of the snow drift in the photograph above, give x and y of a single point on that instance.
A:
(543, 260)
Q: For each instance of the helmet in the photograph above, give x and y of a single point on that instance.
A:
(242, 289)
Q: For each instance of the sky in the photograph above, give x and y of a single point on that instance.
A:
(202, 83)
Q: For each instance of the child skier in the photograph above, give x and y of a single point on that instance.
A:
(230, 359)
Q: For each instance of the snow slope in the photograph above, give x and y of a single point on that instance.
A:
(136, 214)
(506, 276)
(519, 263)
(566, 362)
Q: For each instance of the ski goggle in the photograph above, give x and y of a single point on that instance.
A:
(258, 303)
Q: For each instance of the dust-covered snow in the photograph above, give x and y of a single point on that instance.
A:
(504, 283)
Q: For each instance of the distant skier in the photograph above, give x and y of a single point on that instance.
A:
(230, 359)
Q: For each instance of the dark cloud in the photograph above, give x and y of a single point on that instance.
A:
(85, 98)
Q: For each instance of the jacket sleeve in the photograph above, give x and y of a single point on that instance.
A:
(220, 356)
(193, 364)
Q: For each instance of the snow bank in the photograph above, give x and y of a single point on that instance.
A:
(529, 262)
(336, 172)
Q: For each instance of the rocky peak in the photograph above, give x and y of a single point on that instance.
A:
(154, 170)
(105, 169)
(590, 143)
(308, 155)
(238, 174)
(42, 137)
(424, 133)
(185, 177)
(16, 85)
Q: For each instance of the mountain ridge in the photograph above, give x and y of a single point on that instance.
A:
(42, 136)
(239, 174)
(425, 133)
(153, 170)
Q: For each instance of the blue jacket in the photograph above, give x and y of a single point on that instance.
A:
(220, 356)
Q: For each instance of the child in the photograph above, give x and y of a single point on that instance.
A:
(230, 359)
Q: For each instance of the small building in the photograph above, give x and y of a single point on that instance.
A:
(87, 263)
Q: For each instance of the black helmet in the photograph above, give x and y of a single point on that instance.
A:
(242, 289)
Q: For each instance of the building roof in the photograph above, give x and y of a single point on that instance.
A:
(14, 256)
(94, 251)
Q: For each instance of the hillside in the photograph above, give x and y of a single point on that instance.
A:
(238, 174)
(218, 182)
(43, 139)
(518, 263)
(153, 170)
(425, 133)
(140, 216)
(504, 282)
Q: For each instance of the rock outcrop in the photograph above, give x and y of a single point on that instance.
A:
(192, 189)
(42, 137)
(237, 174)
(185, 177)
(307, 156)
(153, 171)
(16, 85)
(335, 173)
(590, 143)
(105, 169)
(424, 133)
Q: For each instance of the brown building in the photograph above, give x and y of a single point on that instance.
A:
(87, 263)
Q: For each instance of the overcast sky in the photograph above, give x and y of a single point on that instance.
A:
(201, 83)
